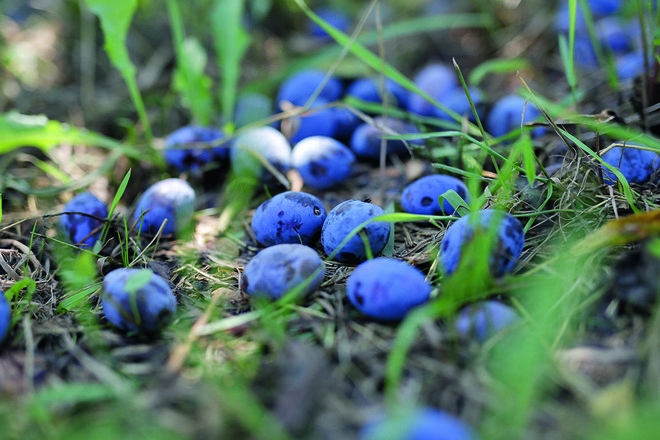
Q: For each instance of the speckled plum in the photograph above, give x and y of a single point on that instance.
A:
(5, 315)
(181, 154)
(387, 289)
(437, 80)
(507, 115)
(298, 87)
(423, 195)
(137, 300)
(420, 424)
(342, 220)
(274, 271)
(366, 139)
(255, 145)
(637, 166)
(289, 217)
(80, 229)
(508, 242)
(322, 161)
(484, 319)
(171, 199)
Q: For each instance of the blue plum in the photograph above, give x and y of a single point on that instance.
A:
(342, 220)
(276, 270)
(137, 300)
(335, 17)
(616, 35)
(366, 139)
(299, 87)
(485, 319)
(637, 166)
(369, 90)
(181, 154)
(170, 199)
(318, 121)
(256, 145)
(289, 217)
(457, 101)
(421, 424)
(437, 80)
(322, 162)
(631, 65)
(423, 195)
(80, 229)
(5, 315)
(387, 289)
(506, 250)
(509, 112)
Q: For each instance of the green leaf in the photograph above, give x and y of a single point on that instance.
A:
(115, 17)
(524, 146)
(231, 41)
(455, 201)
(19, 130)
(192, 83)
(138, 280)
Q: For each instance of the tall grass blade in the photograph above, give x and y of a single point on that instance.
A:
(115, 17)
(231, 41)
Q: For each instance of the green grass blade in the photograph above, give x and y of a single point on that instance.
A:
(115, 18)
(231, 41)
(113, 206)
(193, 85)
(499, 65)
(373, 60)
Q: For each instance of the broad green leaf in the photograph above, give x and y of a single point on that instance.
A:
(18, 130)
(231, 41)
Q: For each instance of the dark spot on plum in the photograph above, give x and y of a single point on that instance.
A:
(343, 208)
(445, 245)
(307, 267)
(513, 229)
(317, 211)
(280, 214)
(426, 201)
(318, 170)
(359, 298)
(290, 272)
